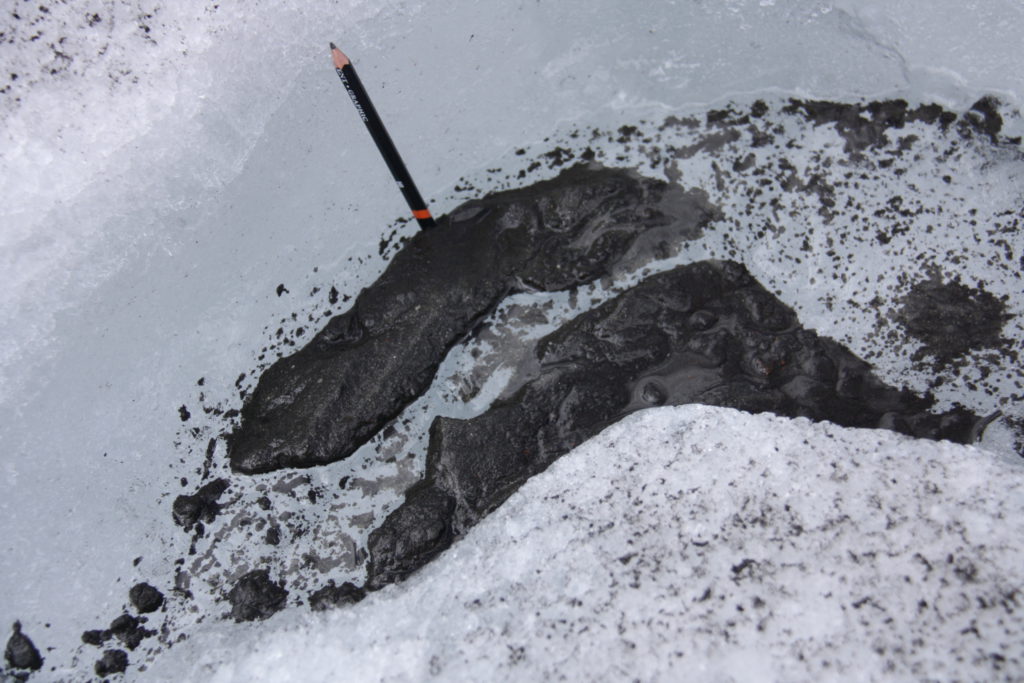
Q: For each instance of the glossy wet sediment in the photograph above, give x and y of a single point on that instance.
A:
(319, 404)
(705, 333)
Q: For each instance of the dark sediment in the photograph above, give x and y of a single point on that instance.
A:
(129, 630)
(255, 596)
(865, 125)
(112, 662)
(984, 118)
(332, 595)
(145, 598)
(21, 652)
(702, 333)
(95, 637)
(201, 506)
(321, 403)
(951, 319)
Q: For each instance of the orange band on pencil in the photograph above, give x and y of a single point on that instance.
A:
(421, 214)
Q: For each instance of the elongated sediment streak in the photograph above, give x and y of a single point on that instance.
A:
(364, 107)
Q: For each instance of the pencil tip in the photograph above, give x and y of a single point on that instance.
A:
(340, 60)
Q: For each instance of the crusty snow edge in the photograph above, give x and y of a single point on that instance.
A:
(698, 542)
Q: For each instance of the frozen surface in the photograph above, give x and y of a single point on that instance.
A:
(164, 168)
(693, 542)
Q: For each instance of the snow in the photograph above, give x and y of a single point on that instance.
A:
(692, 542)
(161, 183)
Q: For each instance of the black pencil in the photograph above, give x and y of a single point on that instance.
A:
(356, 91)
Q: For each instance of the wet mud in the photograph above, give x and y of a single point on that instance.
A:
(701, 333)
(319, 404)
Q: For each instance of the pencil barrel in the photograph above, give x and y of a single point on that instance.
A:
(368, 113)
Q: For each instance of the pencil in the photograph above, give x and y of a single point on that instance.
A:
(357, 93)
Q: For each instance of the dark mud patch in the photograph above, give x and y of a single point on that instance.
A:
(865, 126)
(145, 598)
(128, 630)
(255, 596)
(984, 118)
(1016, 425)
(951, 319)
(20, 652)
(702, 333)
(321, 403)
(333, 595)
(112, 662)
(191, 511)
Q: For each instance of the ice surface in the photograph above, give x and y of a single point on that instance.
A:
(696, 543)
(158, 185)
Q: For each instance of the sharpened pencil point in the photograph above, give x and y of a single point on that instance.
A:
(340, 60)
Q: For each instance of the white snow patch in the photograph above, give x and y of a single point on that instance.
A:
(698, 542)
